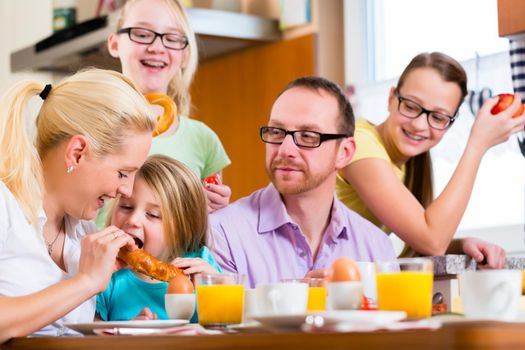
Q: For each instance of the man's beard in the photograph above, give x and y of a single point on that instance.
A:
(285, 184)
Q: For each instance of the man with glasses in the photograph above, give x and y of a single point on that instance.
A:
(295, 226)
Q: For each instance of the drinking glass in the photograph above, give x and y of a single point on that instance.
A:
(220, 299)
(316, 292)
(406, 285)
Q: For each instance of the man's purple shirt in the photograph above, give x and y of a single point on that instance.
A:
(255, 236)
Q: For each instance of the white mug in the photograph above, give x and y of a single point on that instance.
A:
(281, 298)
(491, 294)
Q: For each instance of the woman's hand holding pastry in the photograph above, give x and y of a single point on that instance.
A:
(98, 257)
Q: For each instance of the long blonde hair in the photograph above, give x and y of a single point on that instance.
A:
(99, 104)
(179, 86)
(183, 204)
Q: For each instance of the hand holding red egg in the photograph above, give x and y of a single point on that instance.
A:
(505, 100)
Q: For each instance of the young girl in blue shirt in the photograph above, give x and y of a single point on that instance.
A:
(167, 216)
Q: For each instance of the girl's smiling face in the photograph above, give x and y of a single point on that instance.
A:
(425, 87)
(140, 217)
(150, 66)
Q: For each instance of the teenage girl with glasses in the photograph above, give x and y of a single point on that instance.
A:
(389, 180)
(158, 51)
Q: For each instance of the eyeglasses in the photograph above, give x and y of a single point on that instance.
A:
(302, 138)
(173, 41)
(413, 110)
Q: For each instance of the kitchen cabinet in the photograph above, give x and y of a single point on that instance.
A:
(233, 95)
(511, 19)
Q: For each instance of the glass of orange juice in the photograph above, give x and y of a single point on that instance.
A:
(220, 299)
(405, 285)
(316, 292)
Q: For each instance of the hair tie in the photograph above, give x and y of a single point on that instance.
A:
(45, 92)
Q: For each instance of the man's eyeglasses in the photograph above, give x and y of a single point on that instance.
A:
(302, 138)
(413, 110)
(173, 41)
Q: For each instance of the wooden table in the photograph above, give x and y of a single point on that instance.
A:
(479, 335)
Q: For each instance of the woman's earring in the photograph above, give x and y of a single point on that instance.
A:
(70, 169)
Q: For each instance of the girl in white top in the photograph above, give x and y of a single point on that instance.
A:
(93, 132)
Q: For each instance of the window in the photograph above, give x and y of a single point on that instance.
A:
(403, 28)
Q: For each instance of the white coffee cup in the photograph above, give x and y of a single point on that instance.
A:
(344, 295)
(180, 306)
(250, 305)
(281, 298)
(368, 278)
(490, 294)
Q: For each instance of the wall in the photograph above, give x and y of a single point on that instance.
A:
(22, 23)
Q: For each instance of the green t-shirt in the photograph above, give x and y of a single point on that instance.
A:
(195, 145)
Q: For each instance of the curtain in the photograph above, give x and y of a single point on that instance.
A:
(517, 67)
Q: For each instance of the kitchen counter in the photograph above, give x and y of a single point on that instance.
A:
(452, 264)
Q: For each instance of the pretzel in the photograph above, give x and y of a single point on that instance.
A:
(143, 262)
(170, 111)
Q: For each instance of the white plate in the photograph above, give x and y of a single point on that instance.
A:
(375, 318)
(87, 328)
(361, 316)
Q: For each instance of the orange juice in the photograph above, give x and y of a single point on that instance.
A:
(316, 299)
(220, 304)
(409, 291)
(523, 282)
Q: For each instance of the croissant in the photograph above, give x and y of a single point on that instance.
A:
(170, 111)
(143, 262)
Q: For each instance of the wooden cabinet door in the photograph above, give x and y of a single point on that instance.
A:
(511, 18)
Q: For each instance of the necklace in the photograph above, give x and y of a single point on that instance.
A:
(50, 245)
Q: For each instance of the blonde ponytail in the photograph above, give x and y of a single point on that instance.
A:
(20, 166)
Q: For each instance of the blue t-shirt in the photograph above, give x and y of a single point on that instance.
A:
(127, 294)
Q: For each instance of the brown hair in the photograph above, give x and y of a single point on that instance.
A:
(418, 178)
(346, 113)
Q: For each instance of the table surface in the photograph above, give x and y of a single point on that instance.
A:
(471, 335)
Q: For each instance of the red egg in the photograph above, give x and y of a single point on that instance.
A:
(180, 284)
(344, 269)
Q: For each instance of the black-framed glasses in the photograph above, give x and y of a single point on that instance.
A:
(173, 41)
(302, 138)
(413, 110)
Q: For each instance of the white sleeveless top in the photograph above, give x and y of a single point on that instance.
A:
(25, 265)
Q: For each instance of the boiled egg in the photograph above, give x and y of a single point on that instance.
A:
(344, 269)
(180, 284)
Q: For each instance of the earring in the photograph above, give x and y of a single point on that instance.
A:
(70, 169)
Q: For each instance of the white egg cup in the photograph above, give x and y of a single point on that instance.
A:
(344, 295)
(180, 306)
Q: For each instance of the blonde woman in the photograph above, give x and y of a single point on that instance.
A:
(389, 180)
(167, 216)
(93, 132)
(158, 51)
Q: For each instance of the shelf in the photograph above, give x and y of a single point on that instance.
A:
(218, 33)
